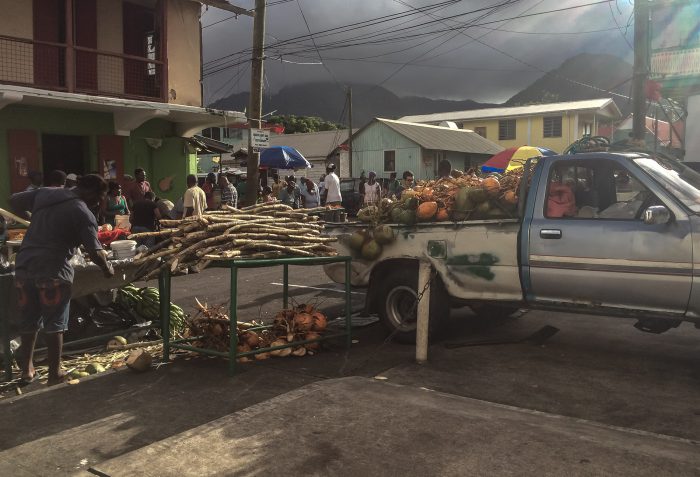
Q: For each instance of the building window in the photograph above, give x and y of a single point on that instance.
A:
(506, 129)
(552, 126)
(389, 161)
(587, 129)
(480, 130)
(216, 133)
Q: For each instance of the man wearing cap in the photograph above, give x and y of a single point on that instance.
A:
(332, 187)
(71, 181)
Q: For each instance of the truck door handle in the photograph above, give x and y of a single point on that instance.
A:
(550, 234)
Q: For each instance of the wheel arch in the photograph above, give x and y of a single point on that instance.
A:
(380, 270)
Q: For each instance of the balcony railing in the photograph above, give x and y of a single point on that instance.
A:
(675, 63)
(61, 67)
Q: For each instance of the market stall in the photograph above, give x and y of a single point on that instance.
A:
(302, 338)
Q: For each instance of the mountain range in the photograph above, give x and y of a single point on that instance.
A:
(584, 76)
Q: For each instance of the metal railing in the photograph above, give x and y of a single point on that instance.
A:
(675, 63)
(57, 66)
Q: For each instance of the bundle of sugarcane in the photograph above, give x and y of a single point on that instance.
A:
(260, 231)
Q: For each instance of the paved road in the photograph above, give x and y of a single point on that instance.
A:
(600, 370)
(595, 368)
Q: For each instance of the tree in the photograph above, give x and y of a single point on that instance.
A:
(303, 124)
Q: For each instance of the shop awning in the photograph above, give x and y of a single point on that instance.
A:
(128, 114)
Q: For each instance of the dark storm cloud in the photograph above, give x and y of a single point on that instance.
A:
(449, 65)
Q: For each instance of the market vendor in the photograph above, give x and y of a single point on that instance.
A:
(115, 204)
(62, 220)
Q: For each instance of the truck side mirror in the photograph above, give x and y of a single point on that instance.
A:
(656, 214)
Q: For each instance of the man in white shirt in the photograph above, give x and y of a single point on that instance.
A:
(373, 191)
(332, 186)
(194, 200)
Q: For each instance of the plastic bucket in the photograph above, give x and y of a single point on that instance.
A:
(123, 249)
(122, 222)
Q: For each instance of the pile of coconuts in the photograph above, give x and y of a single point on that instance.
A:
(301, 323)
(458, 198)
(368, 243)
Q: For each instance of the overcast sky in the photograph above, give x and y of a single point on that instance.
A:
(413, 53)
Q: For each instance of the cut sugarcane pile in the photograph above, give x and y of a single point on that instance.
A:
(261, 231)
(465, 197)
(211, 327)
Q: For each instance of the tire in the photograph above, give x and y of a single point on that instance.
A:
(395, 298)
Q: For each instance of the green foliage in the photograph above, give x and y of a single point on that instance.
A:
(303, 124)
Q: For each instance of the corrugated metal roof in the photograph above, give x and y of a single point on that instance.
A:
(443, 139)
(533, 109)
(312, 145)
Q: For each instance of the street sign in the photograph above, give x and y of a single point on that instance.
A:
(260, 138)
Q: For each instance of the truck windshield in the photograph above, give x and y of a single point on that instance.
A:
(678, 179)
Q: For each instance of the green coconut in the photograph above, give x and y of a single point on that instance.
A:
(463, 202)
(477, 195)
(94, 368)
(411, 203)
(459, 216)
(396, 214)
(483, 209)
(371, 250)
(356, 240)
(383, 234)
(368, 213)
(408, 217)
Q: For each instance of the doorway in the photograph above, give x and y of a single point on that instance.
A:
(65, 153)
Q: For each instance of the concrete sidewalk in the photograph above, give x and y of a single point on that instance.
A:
(358, 426)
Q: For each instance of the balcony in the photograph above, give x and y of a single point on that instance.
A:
(75, 69)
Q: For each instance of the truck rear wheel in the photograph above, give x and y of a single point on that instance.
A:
(396, 303)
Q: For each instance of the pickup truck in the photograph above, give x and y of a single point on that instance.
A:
(625, 248)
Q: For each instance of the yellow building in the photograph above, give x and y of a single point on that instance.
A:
(554, 126)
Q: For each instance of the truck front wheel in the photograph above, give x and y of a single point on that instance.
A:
(396, 297)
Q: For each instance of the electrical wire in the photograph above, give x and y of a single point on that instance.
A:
(301, 10)
(478, 40)
(344, 29)
(619, 27)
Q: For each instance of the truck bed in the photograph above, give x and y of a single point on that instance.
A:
(477, 260)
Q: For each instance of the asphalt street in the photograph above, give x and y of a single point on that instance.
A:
(593, 369)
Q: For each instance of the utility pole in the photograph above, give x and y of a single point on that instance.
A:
(349, 131)
(641, 68)
(255, 108)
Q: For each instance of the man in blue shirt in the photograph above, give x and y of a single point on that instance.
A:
(62, 220)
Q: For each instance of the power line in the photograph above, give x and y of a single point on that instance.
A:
(316, 46)
(403, 66)
(346, 28)
(369, 40)
(619, 27)
(212, 69)
(478, 40)
(279, 2)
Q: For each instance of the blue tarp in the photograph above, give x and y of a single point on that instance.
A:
(283, 157)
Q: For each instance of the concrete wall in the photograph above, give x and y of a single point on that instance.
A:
(16, 19)
(110, 70)
(369, 147)
(184, 53)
